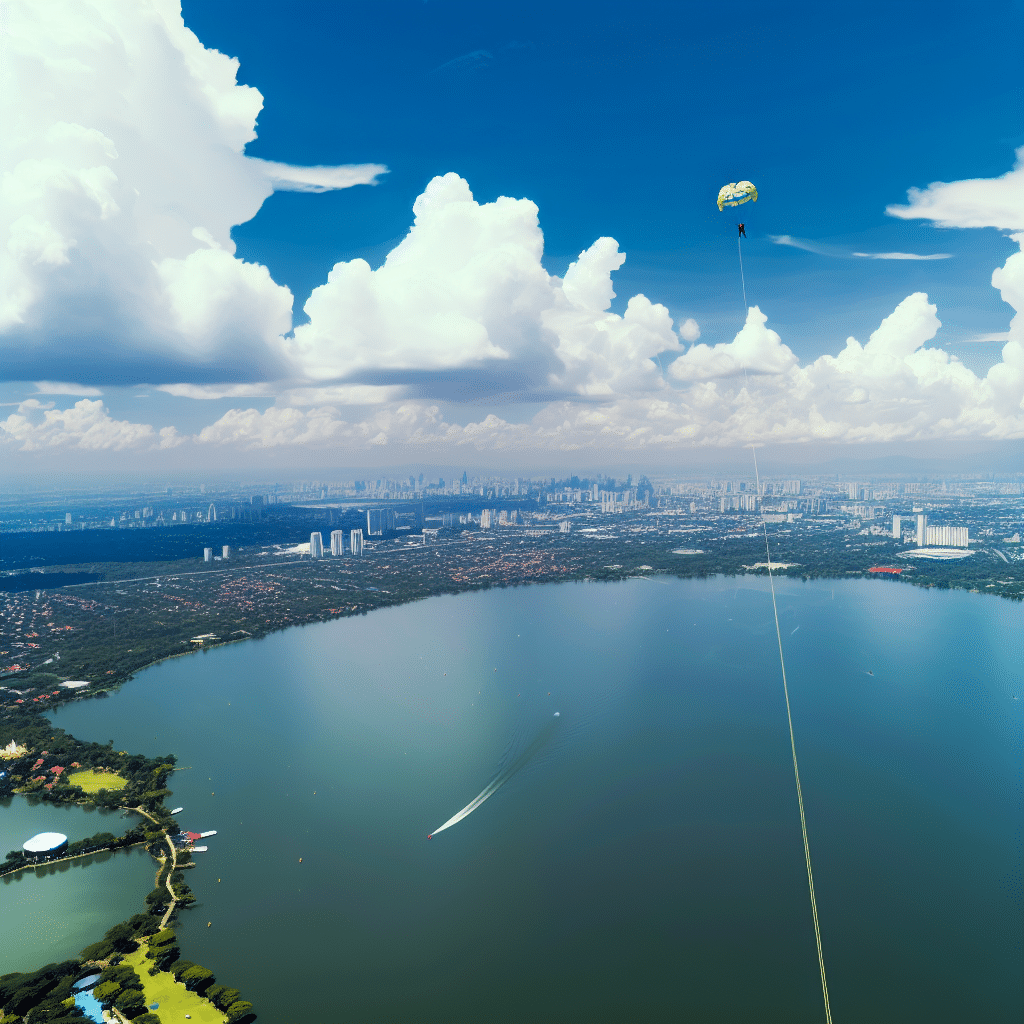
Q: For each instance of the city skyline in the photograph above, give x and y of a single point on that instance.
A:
(403, 274)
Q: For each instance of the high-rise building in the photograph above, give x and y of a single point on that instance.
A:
(896, 534)
(922, 531)
(485, 519)
(67, 518)
(380, 521)
(207, 554)
(355, 542)
(316, 545)
(564, 526)
(337, 543)
(211, 515)
(225, 552)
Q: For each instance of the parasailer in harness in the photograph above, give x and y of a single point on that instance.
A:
(736, 193)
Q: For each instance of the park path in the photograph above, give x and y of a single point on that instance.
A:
(174, 865)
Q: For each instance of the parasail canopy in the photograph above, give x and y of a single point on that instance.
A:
(736, 193)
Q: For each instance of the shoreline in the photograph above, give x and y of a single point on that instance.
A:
(175, 905)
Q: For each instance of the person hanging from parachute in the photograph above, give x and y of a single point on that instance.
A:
(736, 193)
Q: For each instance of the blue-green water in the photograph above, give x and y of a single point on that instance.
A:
(647, 864)
(51, 912)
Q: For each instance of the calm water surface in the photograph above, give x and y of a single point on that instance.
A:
(51, 912)
(647, 864)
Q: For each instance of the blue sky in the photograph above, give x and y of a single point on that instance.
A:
(624, 120)
(617, 121)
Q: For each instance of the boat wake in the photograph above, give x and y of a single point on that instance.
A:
(503, 775)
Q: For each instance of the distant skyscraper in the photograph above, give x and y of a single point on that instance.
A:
(355, 542)
(896, 534)
(922, 531)
(485, 519)
(207, 554)
(316, 545)
(380, 521)
(67, 518)
(852, 491)
(211, 515)
(225, 552)
(337, 543)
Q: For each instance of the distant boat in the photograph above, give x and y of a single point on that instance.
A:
(199, 849)
(206, 835)
(177, 810)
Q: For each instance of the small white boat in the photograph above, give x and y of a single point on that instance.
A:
(199, 849)
(177, 810)
(206, 835)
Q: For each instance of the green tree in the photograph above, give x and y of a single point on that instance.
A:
(131, 1002)
(180, 968)
(159, 897)
(121, 937)
(223, 997)
(237, 1011)
(197, 978)
(106, 991)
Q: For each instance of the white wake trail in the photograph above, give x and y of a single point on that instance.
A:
(501, 778)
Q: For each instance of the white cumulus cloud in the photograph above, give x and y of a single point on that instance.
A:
(464, 300)
(86, 425)
(974, 203)
(124, 173)
(756, 349)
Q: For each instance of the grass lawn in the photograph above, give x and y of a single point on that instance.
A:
(93, 782)
(175, 1000)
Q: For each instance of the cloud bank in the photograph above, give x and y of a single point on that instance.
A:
(127, 172)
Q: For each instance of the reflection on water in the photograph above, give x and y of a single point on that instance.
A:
(648, 864)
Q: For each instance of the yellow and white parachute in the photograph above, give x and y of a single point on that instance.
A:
(736, 193)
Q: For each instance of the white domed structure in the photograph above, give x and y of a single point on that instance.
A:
(46, 844)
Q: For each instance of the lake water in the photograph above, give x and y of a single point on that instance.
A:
(647, 863)
(52, 912)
